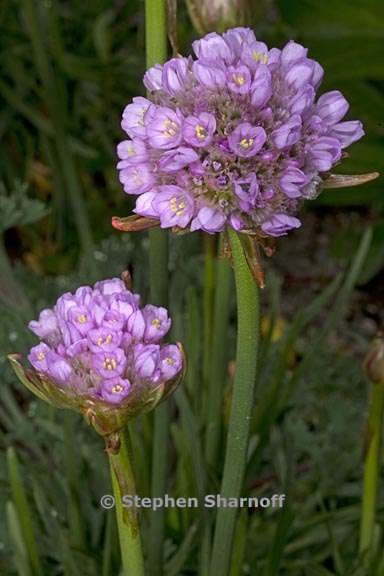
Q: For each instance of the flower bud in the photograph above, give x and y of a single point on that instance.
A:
(107, 359)
(208, 15)
(374, 361)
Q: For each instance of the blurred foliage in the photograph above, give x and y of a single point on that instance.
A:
(17, 209)
(67, 71)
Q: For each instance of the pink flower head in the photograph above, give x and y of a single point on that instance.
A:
(235, 136)
(104, 346)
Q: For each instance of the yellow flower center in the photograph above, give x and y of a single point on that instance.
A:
(171, 128)
(109, 364)
(177, 206)
(170, 361)
(156, 323)
(117, 388)
(108, 340)
(130, 150)
(41, 356)
(82, 319)
(238, 79)
(246, 143)
(260, 57)
(200, 132)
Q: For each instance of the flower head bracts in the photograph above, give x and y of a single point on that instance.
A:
(234, 137)
(101, 353)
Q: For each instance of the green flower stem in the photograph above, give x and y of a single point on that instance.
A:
(208, 299)
(23, 513)
(371, 468)
(242, 402)
(216, 373)
(156, 50)
(218, 357)
(155, 31)
(123, 482)
(158, 488)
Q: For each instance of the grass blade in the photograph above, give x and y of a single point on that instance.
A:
(23, 511)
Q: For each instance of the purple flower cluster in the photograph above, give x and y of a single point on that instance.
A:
(99, 343)
(234, 137)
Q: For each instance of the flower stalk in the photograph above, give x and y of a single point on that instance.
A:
(156, 53)
(208, 302)
(242, 402)
(123, 482)
(217, 360)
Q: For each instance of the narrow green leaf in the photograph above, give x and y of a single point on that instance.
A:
(21, 555)
(23, 511)
(176, 564)
(239, 544)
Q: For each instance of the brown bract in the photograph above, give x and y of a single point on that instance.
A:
(347, 180)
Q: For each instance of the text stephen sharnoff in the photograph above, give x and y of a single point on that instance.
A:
(209, 501)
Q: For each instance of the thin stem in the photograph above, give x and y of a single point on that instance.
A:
(155, 31)
(371, 467)
(123, 483)
(208, 299)
(158, 488)
(23, 512)
(218, 356)
(242, 402)
(156, 51)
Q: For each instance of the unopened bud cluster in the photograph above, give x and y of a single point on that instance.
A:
(100, 350)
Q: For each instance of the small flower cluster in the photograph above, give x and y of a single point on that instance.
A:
(234, 137)
(98, 343)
